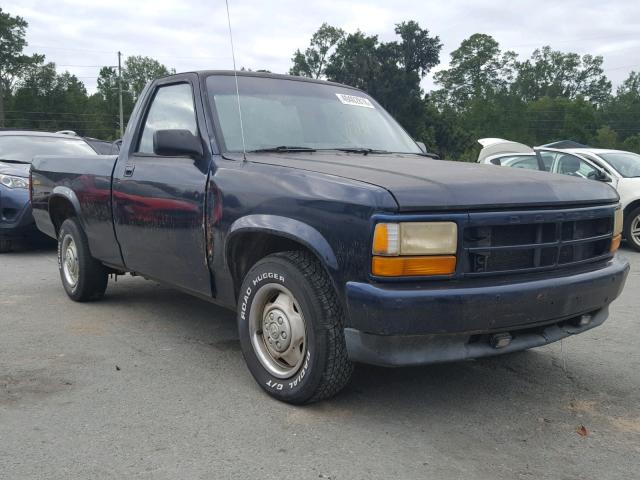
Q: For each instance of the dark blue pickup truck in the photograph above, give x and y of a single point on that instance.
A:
(304, 206)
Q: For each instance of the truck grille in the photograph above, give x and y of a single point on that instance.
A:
(496, 243)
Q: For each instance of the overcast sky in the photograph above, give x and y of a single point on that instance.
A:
(80, 35)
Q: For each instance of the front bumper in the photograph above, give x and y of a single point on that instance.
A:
(392, 324)
(16, 218)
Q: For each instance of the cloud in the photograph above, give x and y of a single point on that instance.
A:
(192, 34)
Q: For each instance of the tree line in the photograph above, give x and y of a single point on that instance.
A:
(34, 96)
(483, 92)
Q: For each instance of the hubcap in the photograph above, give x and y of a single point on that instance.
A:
(635, 230)
(277, 329)
(70, 264)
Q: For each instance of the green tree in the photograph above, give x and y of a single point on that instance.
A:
(139, 70)
(561, 118)
(551, 73)
(478, 70)
(13, 62)
(450, 138)
(622, 111)
(419, 52)
(391, 72)
(313, 61)
(632, 143)
(46, 100)
(355, 62)
(106, 100)
(631, 86)
(605, 137)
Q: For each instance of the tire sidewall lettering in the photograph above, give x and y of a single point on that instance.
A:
(275, 385)
(60, 239)
(246, 295)
(303, 371)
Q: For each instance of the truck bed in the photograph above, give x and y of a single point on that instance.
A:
(86, 182)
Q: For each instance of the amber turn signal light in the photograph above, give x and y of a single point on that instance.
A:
(615, 243)
(413, 266)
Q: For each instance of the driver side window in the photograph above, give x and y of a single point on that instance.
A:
(171, 108)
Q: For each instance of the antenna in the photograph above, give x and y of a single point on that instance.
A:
(235, 74)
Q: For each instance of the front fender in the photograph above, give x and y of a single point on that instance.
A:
(288, 228)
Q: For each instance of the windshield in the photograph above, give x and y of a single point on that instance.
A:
(24, 147)
(279, 112)
(626, 164)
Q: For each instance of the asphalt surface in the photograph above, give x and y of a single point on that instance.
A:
(150, 383)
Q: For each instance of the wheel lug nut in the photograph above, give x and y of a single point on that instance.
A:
(284, 335)
(271, 315)
(279, 320)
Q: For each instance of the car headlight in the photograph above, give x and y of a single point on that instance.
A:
(618, 223)
(414, 249)
(10, 181)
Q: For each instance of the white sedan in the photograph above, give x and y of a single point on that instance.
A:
(620, 168)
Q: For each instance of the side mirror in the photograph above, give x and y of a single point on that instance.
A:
(177, 143)
(603, 177)
(422, 146)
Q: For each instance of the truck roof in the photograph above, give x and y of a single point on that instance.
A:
(244, 73)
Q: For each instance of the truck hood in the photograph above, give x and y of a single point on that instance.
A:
(15, 169)
(420, 183)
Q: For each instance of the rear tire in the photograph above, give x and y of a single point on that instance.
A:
(290, 324)
(6, 245)
(83, 277)
(631, 225)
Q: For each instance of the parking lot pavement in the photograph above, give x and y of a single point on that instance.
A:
(150, 383)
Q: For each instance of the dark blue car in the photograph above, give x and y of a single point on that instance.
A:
(17, 149)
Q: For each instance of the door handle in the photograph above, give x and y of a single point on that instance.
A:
(128, 170)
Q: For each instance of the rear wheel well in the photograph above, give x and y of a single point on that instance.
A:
(59, 210)
(248, 248)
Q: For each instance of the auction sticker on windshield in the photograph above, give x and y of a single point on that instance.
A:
(355, 100)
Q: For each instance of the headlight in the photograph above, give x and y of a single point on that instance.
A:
(414, 249)
(618, 223)
(10, 181)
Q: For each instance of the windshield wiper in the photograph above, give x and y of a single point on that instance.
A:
(362, 150)
(283, 148)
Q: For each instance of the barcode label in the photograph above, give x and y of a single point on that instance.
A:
(355, 100)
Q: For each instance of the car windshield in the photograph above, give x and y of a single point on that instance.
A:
(626, 164)
(304, 115)
(23, 148)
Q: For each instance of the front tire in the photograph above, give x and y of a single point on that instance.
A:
(291, 329)
(83, 277)
(632, 229)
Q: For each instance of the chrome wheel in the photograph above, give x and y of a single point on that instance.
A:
(69, 260)
(277, 329)
(635, 230)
